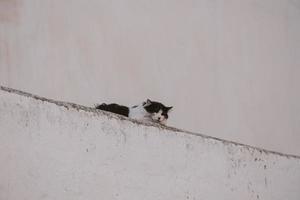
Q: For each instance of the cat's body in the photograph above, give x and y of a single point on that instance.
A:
(147, 111)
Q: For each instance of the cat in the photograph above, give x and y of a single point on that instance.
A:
(148, 111)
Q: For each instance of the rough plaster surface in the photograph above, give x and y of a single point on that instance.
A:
(55, 150)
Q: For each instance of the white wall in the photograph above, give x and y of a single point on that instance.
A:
(53, 150)
(230, 68)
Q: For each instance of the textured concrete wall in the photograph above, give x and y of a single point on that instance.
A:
(230, 68)
(54, 150)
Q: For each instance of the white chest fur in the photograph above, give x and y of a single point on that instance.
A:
(138, 112)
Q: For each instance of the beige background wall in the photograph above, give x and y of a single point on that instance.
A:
(230, 68)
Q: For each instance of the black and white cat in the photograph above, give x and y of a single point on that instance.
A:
(147, 111)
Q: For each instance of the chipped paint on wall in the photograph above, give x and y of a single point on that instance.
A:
(59, 150)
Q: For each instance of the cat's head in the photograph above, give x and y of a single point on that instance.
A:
(157, 111)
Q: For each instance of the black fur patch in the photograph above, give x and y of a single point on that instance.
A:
(155, 107)
(114, 108)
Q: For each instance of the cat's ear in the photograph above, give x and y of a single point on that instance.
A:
(169, 108)
(148, 102)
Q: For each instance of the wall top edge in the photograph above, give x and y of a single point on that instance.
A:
(78, 107)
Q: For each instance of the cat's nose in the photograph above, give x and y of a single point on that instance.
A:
(158, 118)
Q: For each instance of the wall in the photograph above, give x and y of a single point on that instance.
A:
(55, 150)
(230, 68)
